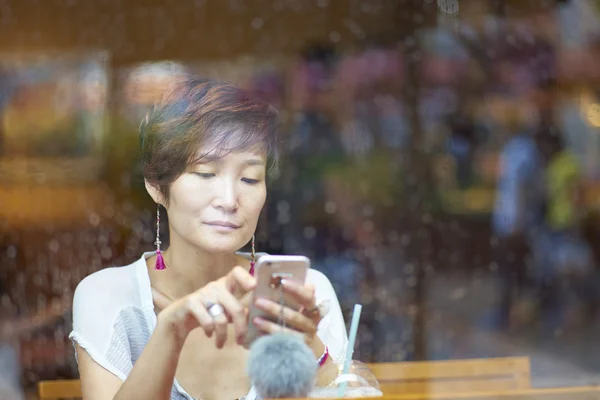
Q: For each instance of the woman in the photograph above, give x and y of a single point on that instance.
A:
(205, 149)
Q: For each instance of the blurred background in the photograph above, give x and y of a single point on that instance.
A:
(440, 163)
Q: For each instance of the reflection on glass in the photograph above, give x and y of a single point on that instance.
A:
(442, 170)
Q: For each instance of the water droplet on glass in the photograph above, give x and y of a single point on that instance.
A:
(257, 23)
(11, 251)
(405, 239)
(310, 232)
(335, 37)
(94, 219)
(368, 211)
(330, 207)
(458, 293)
(283, 206)
(106, 253)
(54, 246)
(283, 218)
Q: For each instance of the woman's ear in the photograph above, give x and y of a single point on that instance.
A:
(154, 192)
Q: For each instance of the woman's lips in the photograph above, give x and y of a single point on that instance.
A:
(223, 225)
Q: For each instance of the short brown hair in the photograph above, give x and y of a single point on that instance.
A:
(218, 117)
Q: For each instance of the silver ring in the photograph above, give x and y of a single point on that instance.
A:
(214, 309)
(321, 306)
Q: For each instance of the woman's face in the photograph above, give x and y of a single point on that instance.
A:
(216, 203)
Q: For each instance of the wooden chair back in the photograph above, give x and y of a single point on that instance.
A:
(59, 389)
(458, 376)
(405, 378)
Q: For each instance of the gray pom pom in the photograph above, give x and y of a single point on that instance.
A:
(280, 366)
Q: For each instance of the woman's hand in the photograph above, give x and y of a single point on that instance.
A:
(303, 322)
(193, 311)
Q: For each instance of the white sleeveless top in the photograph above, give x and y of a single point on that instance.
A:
(113, 318)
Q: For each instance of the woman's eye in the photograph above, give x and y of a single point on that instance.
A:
(204, 175)
(250, 181)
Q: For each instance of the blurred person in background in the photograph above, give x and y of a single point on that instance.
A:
(12, 328)
(375, 132)
(461, 145)
(10, 366)
(518, 207)
(310, 213)
(563, 259)
(268, 85)
(560, 250)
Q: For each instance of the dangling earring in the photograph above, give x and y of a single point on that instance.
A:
(252, 257)
(160, 263)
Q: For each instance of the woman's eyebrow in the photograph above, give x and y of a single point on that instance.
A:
(207, 158)
(255, 161)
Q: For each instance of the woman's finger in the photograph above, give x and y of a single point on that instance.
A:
(304, 294)
(211, 296)
(220, 322)
(318, 311)
(291, 318)
(196, 307)
(246, 300)
(235, 312)
(239, 282)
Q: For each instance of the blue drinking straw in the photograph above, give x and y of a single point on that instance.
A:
(350, 346)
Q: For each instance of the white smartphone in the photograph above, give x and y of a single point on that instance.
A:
(269, 272)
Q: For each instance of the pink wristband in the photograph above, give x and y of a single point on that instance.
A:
(323, 359)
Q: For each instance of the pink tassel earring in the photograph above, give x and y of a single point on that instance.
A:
(252, 258)
(160, 262)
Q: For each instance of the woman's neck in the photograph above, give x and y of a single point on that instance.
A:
(189, 269)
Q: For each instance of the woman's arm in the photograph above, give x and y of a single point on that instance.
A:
(96, 382)
(152, 375)
(328, 371)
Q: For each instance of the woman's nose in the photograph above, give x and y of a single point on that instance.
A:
(226, 198)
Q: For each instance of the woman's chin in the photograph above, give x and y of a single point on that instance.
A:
(222, 246)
